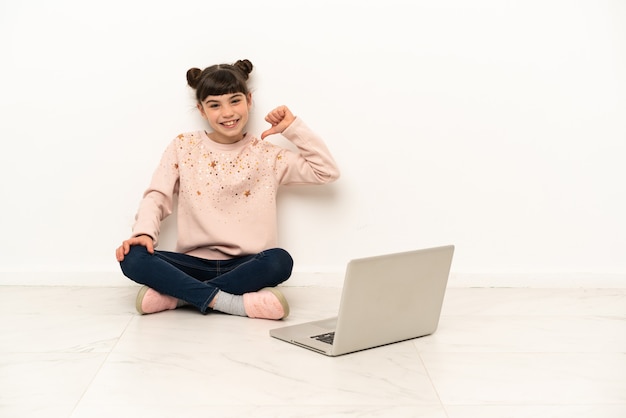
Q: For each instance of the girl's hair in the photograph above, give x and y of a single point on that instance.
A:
(220, 79)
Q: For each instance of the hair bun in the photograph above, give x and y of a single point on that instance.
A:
(245, 66)
(193, 77)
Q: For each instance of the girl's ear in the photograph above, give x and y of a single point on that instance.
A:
(201, 109)
(249, 99)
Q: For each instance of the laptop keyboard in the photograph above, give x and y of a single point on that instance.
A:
(325, 338)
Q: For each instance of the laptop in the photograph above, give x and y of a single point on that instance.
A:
(385, 299)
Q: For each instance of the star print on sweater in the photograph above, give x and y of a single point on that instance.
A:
(226, 193)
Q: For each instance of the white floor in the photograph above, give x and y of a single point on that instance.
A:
(498, 352)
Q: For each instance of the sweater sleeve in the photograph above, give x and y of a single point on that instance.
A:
(313, 164)
(157, 201)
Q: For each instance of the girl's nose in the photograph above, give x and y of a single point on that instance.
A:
(227, 110)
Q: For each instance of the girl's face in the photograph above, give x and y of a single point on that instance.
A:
(227, 115)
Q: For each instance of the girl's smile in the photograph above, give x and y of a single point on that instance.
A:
(230, 123)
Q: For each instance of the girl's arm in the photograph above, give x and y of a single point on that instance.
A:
(157, 202)
(313, 164)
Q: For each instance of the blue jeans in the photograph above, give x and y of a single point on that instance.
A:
(197, 280)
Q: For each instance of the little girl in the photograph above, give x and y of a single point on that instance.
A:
(226, 180)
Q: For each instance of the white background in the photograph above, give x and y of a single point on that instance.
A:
(497, 126)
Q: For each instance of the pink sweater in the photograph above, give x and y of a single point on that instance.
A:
(227, 192)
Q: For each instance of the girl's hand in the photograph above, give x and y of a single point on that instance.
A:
(280, 118)
(123, 249)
